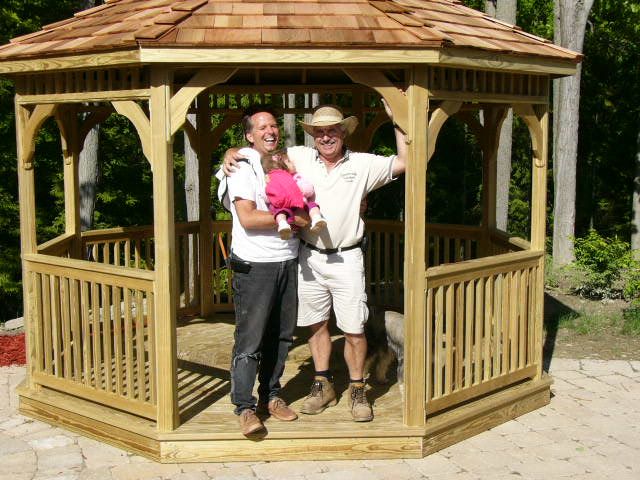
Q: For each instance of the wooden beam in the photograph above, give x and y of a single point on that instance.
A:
(67, 120)
(68, 62)
(138, 117)
(30, 129)
(537, 119)
(416, 336)
(82, 97)
(205, 146)
(482, 60)
(165, 285)
(28, 244)
(199, 82)
(394, 97)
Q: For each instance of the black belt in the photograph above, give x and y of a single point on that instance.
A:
(329, 251)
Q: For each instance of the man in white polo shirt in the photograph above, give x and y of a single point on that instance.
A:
(331, 267)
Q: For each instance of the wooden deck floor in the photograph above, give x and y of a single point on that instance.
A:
(209, 430)
(204, 356)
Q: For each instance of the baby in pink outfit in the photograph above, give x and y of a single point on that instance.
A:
(286, 191)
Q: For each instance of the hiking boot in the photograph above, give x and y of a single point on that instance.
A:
(360, 409)
(249, 422)
(322, 395)
(278, 408)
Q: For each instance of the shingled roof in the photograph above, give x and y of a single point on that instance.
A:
(373, 24)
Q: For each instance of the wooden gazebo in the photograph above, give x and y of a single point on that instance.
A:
(102, 329)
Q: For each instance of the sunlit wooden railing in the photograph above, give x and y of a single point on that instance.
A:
(60, 246)
(130, 247)
(94, 331)
(133, 247)
(452, 243)
(480, 326)
(384, 263)
(94, 325)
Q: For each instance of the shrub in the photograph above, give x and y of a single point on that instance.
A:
(610, 271)
(631, 319)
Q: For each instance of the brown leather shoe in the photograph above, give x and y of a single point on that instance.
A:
(249, 422)
(279, 409)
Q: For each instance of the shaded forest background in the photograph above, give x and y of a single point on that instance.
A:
(608, 147)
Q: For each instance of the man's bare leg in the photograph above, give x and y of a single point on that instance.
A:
(355, 352)
(320, 345)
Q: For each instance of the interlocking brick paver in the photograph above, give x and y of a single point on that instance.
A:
(589, 431)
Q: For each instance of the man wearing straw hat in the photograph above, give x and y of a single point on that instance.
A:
(331, 266)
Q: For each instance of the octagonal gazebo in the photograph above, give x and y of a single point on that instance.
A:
(102, 329)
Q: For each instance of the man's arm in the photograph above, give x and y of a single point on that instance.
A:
(230, 160)
(251, 218)
(400, 162)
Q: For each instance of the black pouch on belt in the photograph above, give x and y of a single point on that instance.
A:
(238, 265)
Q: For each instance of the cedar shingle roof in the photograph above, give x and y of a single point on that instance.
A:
(373, 24)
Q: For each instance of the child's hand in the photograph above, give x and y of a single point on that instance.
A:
(300, 218)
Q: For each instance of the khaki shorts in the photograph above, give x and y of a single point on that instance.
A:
(336, 279)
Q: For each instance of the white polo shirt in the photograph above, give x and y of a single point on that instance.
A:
(248, 183)
(340, 191)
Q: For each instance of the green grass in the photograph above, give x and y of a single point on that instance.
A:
(590, 324)
(631, 320)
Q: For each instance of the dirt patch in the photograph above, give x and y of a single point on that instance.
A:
(605, 342)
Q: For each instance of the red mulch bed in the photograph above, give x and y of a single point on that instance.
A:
(12, 351)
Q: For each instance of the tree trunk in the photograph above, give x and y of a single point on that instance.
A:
(88, 174)
(88, 168)
(310, 101)
(191, 189)
(192, 199)
(504, 10)
(289, 120)
(635, 206)
(572, 20)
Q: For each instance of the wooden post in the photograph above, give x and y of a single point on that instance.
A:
(205, 147)
(538, 122)
(490, 132)
(68, 122)
(27, 201)
(165, 249)
(414, 257)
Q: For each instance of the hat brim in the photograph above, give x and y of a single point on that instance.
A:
(348, 124)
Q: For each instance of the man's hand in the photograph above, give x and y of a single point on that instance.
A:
(230, 160)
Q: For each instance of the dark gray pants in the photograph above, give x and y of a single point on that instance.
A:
(265, 301)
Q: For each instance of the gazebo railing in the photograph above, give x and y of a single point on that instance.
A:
(94, 320)
(93, 331)
(480, 326)
(61, 246)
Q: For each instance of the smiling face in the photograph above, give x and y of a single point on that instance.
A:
(264, 134)
(330, 142)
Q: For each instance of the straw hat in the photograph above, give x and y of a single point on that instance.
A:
(330, 115)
